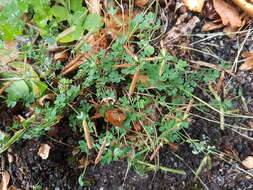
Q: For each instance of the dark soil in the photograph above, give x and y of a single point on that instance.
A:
(59, 173)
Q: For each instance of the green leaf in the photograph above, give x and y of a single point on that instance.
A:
(76, 5)
(93, 23)
(149, 50)
(60, 12)
(17, 90)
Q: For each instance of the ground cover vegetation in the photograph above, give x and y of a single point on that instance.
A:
(119, 80)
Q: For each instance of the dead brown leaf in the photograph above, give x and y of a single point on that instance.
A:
(141, 3)
(247, 54)
(194, 5)
(61, 56)
(245, 6)
(42, 100)
(115, 116)
(230, 31)
(9, 53)
(87, 134)
(209, 26)
(247, 65)
(180, 30)
(12, 187)
(5, 180)
(229, 15)
(101, 150)
(248, 162)
(44, 151)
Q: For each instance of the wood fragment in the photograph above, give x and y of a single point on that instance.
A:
(101, 150)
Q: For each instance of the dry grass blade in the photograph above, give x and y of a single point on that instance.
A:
(87, 134)
(134, 81)
(155, 152)
(216, 67)
(101, 150)
(123, 65)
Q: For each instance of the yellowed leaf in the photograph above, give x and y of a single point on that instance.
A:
(5, 180)
(194, 5)
(247, 65)
(44, 151)
(229, 15)
(248, 162)
(209, 26)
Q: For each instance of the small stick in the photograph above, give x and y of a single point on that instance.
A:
(101, 150)
(87, 134)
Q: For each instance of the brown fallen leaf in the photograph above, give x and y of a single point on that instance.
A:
(247, 65)
(248, 162)
(9, 53)
(140, 3)
(12, 187)
(247, 54)
(180, 30)
(230, 31)
(42, 100)
(115, 116)
(44, 151)
(61, 56)
(87, 134)
(209, 26)
(194, 5)
(229, 15)
(134, 81)
(101, 150)
(245, 6)
(5, 180)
